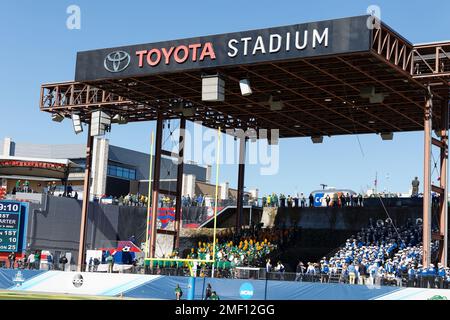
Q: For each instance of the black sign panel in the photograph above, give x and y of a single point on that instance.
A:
(274, 44)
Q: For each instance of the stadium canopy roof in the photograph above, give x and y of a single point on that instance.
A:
(333, 77)
(36, 167)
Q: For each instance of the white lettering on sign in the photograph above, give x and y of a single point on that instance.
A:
(259, 45)
(273, 49)
(233, 48)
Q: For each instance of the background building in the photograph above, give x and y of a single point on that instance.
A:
(116, 171)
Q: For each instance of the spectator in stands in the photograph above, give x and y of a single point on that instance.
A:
(347, 200)
(344, 274)
(289, 201)
(311, 200)
(208, 291)
(50, 261)
(327, 200)
(62, 261)
(447, 278)
(342, 200)
(324, 271)
(440, 276)
(302, 200)
(12, 259)
(415, 187)
(178, 292)
(431, 275)
(352, 273)
(360, 200)
(37, 260)
(282, 201)
(200, 200)
(26, 186)
(110, 262)
(300, 271)
(310, 272)
(280, 268)
(387, 254)
(335, 200)
(362, 272)
(411, 276)
(275, 200)
(30, 261)
(268, 266)
(189, 200)
(53, 188)
(69, 190)
(214, 296)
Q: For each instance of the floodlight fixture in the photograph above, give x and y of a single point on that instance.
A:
(246, 89)
(213, 88)
(57, 117)
(76, 121)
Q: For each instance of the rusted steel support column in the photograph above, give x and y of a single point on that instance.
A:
(426, 261)
(155, 185)
(240, 188)
(443, 200)
(85, 205)
(178, 204)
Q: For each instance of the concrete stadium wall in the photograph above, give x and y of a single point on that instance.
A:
(348, 218)
(55, 225)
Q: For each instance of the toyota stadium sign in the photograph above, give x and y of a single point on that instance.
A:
(265, 45)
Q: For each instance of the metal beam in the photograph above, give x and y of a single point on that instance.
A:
(85, 205)
(277, 125)
(277, 84)
(356, 89)
(438, 143)
(427, 180)
(443, 199)
(437, 189)
(379, 82)
(155, 185)
(180, 171)
(240, 188)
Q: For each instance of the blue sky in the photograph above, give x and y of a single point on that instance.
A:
(36, 47)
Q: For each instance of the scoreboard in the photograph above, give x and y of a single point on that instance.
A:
(13, 219)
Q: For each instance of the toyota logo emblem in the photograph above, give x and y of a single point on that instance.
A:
(117, 61)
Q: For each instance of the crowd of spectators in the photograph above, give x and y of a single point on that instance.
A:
(248, 248)
(141, 200)
(380, 254)
(194, 201)
(32, 260)
(337, 199)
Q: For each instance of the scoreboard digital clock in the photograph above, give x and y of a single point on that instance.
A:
(13, 220)
(10, 206)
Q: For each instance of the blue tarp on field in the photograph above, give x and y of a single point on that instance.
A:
(236, 289)
(163, 287)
